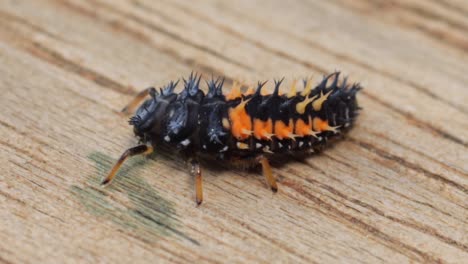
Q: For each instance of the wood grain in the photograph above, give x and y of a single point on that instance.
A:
(395, 190)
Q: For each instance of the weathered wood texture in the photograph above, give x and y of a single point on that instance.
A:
(395, 190)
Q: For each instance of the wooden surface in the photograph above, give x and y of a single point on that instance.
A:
(395, 190)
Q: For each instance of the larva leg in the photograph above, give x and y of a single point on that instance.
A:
(266, 169)
(195, 171)
(138, 150)
(137, 100)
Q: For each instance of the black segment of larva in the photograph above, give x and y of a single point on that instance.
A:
(251, 126)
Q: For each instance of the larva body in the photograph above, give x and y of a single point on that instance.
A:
(249, 126)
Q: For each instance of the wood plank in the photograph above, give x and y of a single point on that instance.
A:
(395, 190)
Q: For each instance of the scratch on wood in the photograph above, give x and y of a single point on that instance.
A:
(130, 202)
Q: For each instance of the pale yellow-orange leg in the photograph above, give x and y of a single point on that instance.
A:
(130, 108)
(196, 172)
(141, 149)
(266, 168)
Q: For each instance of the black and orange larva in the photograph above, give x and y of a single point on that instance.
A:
(250, 127)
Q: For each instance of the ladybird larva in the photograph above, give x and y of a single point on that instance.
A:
(250, 126)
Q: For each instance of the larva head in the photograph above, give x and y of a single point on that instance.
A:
(151, 113)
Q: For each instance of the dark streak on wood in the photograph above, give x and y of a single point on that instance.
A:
(259, 44)
(266, 238)
(24, 134)
(59, 60)
(417, 122)
(3, 260)
(409, 165)
(47, 214)
(120, 27)
(390, 190)
(451, 6)
(442, 37)
(432, 16)
(12, 198)
(171, 35)
(22, 151)
(38, 50)
(424, 204)
(444, 165)
(10, 18)
(355, 223)
(420, 227)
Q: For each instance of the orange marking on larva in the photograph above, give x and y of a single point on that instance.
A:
(302, 128)
(263, 129)
(282, 130)
(241, 123)
(249, 91)
(311, 131)
(235, 91)
(320, 125)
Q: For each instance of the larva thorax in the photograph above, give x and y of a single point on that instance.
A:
(246, 124)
